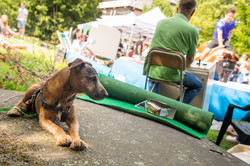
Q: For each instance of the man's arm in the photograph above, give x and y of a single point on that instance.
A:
(10, 31)
(220, 38)
(230, 34)
(139, 50)
(189, 60)
(18, 14)
(26, 14)
(192, 50)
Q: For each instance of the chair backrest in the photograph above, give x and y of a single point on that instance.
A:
(172, 59)
(64, 41)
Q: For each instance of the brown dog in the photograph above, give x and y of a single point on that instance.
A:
(54, 98)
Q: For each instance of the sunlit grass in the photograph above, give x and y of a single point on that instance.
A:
(212, 136)
(42, 59)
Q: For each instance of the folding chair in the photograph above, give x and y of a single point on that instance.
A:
(172, 59)
(65, 42)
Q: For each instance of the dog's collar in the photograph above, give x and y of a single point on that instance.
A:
(45, 105)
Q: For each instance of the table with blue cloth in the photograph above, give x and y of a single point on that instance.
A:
(224, 94)
(100, 68)
(129, 70)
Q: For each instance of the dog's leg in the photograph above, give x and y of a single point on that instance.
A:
(22, 103)
(77, 143)
(45, 121)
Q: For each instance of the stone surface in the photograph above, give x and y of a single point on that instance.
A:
(115, 138)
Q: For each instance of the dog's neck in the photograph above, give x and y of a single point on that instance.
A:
(57, 89)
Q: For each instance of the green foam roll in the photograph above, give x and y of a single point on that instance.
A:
(193, 117)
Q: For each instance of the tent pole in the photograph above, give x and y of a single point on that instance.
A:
(130, 39)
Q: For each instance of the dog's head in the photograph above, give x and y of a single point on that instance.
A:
(84, 79)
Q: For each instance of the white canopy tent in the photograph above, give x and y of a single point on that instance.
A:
(116, 21)
(143, 25)
(147, 22)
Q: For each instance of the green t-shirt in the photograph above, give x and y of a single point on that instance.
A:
(174, 34)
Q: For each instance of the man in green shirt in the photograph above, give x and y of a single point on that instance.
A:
(176, 34)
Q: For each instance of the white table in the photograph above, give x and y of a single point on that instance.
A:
(205, 72)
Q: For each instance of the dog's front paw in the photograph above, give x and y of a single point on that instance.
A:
(78, 144)
(14, 112)
(64, 140)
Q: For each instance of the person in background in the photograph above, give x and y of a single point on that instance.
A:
(79, 43)
(119, 52)
(125, 46)
(5, 44)
(243, 60)
(176, 34)
(22, 19)
(239, 66)
(132, 49)
(222, 33)
(5, 29)
(244, 76)
(139, 46)
(74, 35)
(145, 51)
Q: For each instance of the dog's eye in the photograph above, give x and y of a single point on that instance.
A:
(93, 78)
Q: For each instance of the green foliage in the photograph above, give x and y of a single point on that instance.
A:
(164, 5)
(46, 16)
(241, 37)
(19, 69)
(10, 8)
(207, 13)
(10, 76)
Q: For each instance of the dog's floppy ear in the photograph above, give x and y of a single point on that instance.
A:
(78, 64)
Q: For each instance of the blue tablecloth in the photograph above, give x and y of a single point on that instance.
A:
(130, 71)
(100, 68)
(224, 94)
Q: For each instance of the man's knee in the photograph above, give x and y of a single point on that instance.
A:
(198, 85)
(228, 45)
(201, 87)
(214, 43)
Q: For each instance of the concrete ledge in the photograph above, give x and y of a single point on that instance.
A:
(115, 138)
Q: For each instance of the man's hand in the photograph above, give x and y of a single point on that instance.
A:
(221, 45)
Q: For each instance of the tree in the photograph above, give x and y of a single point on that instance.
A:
(10, 8)
(164, 5)
(47, 16)
(241, 37)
